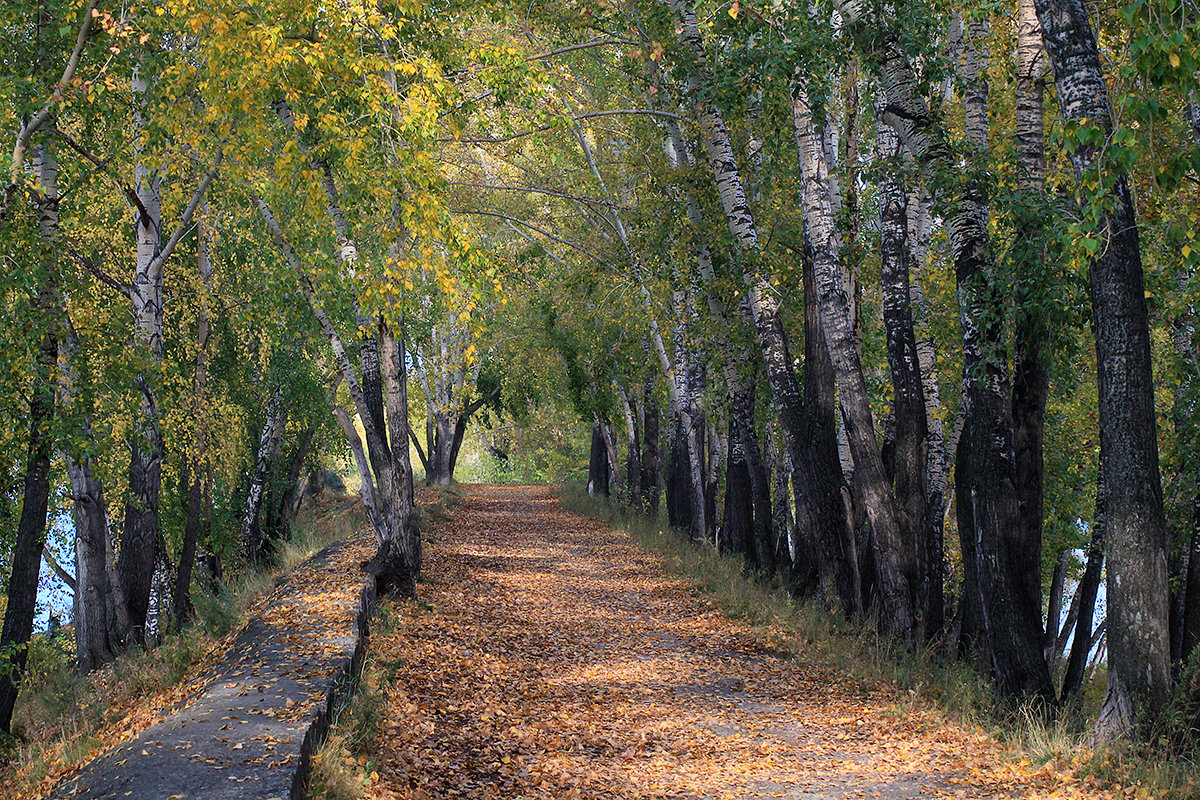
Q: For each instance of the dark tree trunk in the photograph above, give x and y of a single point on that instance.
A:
(1139, 673)
(182, 610)
(1191, 593)
(598, 463)
(1031, 377)
(896, 612)
(441, 452)
(1007, 555)
(282, 511)
(31, 528)
(633, 456)
(398, 561)
(650, 472)
(1089, 586)
(181, 603)
(680, 490)
(836, 550)
(737, 522)
(1054, 607)
(763, 533)
(254, 546)
(907, 451)
(100, 608)
(372, 377)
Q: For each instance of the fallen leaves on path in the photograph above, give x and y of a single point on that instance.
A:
(549, 657)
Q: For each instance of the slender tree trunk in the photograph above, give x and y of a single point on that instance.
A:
(1031, 377)
(99, 605)
(824, 482)
(269, 444)
(1089, 586)
(139, 541)
(30, 538)
(908, 448)
(1191, 594)
(598, 463)
(1139, 673)
(1054, 607)
(182, 603)
(367, 490)
(650, 472)
(282, 510)
(633, 442)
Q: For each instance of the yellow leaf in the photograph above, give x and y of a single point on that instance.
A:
(1174, 59)
(734, 9)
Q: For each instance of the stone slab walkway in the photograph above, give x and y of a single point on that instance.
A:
(248, 733)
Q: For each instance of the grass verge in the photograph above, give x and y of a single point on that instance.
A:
(63, 718)
(855, 655)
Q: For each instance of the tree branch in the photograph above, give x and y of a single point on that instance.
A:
(63, 575)
(573, 245)
(616, 112)
(39, 119)
(582, 46)
(186, 218)
(94, 268)
(535, 190)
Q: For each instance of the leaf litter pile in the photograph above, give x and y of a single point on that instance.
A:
(550, 657)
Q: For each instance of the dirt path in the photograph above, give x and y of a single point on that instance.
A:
(551, 658)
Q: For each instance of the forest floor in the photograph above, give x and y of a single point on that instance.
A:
(550, 657)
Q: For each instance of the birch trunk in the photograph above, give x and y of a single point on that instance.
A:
(1139, 674)
(650, 460)
(269, 444)
(182, 603)
(398, 561)
(99, 604)
(367, 488)
(908, 449)
(633, 448)
(139, 540)
(762, 299)
(896, 573)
